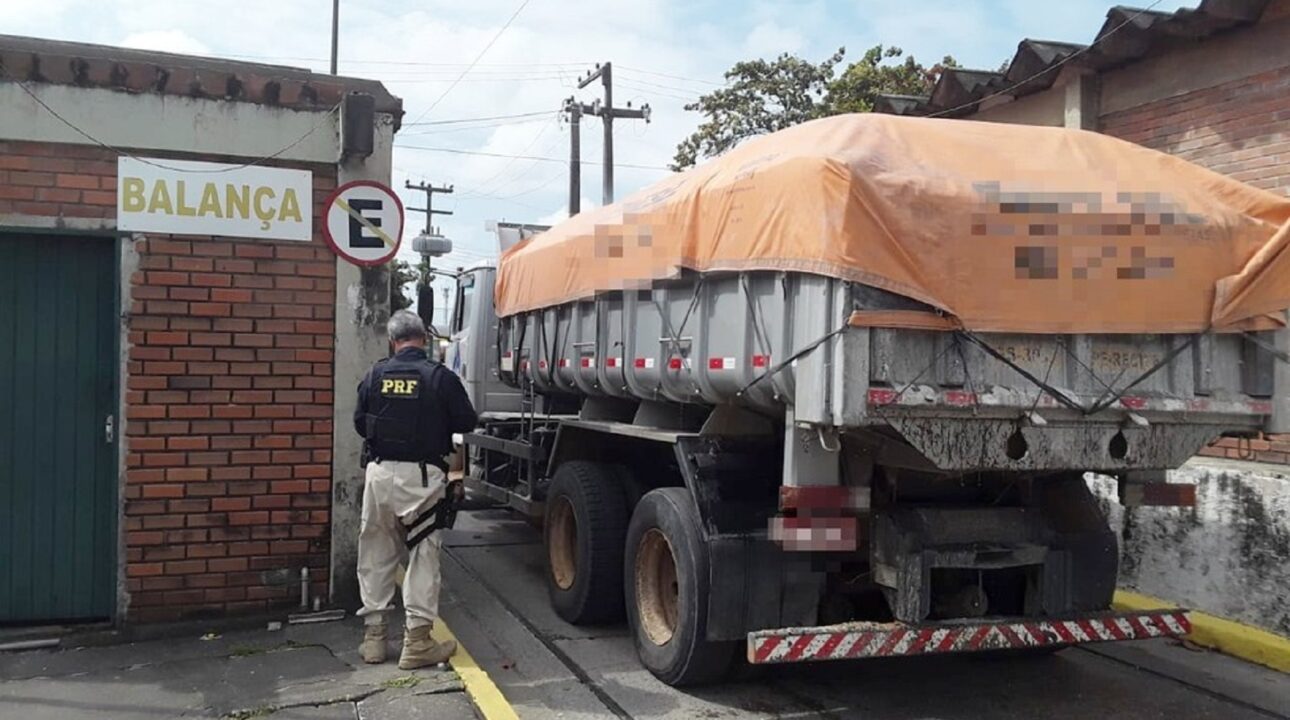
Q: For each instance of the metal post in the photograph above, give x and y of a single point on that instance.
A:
(607, 179)
(575, 156)
(335, 33)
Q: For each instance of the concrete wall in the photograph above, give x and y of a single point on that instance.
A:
(1228, 556)
(176, 124)
(1044, 108)
(362, 309)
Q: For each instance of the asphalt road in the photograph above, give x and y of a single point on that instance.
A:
(495, 600)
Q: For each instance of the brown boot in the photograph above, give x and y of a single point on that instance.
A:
(374, 646)
(420, 650)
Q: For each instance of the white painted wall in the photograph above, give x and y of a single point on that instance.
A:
(156, 122)
(1228, 556)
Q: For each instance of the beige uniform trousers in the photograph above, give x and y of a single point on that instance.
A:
(393, 497)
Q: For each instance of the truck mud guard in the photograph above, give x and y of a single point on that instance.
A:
(851, 641)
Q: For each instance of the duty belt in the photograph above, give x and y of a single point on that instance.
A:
(371, 456)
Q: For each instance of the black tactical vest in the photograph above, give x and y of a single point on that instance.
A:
(406, 417)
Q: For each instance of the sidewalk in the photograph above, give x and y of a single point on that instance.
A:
(298, 672)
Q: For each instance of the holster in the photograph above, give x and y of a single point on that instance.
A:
(444, 513)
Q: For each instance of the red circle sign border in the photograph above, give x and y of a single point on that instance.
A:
(326, 228)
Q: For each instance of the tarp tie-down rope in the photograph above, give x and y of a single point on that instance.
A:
(1107, 399)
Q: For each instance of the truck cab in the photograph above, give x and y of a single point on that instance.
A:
(472, 328)
(472, 345)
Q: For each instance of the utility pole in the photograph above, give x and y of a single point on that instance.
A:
(607, 112)
(429, 210)
(335, 33)
(432, 244)
(574, 108)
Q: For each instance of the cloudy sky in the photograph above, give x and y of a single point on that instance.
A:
(665, 52)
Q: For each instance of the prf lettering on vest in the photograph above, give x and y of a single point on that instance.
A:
(209, 199)
(399, 386)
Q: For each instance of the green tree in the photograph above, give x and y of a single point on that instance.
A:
(759, 97)
(860, 84)
(763, 96)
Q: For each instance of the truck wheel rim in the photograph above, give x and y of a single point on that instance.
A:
(657, 591)
(562, 544)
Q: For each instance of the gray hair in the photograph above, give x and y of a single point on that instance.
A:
(405, 325)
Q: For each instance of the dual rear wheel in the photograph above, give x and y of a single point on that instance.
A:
(653, 568)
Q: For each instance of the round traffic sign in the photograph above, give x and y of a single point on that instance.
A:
(364, 222)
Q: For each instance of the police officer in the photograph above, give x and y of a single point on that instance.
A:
(408, 409)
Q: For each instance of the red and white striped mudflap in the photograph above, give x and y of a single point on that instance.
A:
(868, 640)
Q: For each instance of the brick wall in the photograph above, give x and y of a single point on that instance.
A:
(1240, 128)
(228, 398)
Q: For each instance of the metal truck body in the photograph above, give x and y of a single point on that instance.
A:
(805, 487)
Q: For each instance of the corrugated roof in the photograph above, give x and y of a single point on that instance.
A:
(37, 60)
(1129, 34)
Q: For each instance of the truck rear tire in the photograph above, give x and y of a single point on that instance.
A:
(666, 583)
(586, 521)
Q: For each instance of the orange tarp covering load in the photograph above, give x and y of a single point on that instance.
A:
(1001, 227)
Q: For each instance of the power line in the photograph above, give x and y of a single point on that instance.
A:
(495, 80)
(673, 77)
(482, 188)
(478, 57)
(411, 63)
(124, 153)
(456, 151)
(535, 188)
(508, 202)
(448, 72)
(469, 253)
(661, 86)
(480, 126)
(1050, 68)
(533, 166)
(635, 85)
(457, 121)
(494, 193)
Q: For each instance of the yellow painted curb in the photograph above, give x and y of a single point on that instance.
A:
(1233, 638)
(487, 698)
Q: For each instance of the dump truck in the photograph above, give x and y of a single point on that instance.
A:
(836, 394)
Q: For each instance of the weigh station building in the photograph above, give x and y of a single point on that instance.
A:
(179, 343)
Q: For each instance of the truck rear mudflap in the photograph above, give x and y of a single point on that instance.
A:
(856, 640)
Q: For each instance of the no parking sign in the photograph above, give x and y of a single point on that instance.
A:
(364, 222)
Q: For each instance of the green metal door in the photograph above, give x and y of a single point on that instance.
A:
(58, 392)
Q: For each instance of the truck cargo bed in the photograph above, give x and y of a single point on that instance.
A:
(782, 341)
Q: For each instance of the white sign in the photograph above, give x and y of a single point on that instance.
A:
(201, 198)
(364, 222)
